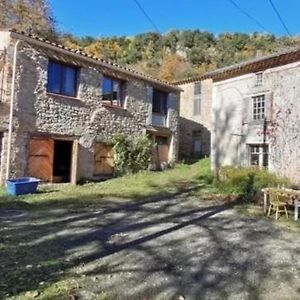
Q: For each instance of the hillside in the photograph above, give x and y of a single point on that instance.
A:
(173, 55)
(178, 54)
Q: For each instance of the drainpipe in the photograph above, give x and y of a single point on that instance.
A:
(11, 113)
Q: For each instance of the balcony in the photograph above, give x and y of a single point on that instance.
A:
(159, 119)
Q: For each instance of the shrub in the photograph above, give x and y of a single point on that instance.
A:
(132, 153)
(247, 181)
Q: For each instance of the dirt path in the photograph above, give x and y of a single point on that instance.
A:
(152, 249)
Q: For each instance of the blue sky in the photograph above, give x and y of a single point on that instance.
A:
(123, 17)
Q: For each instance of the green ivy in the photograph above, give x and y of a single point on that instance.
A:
(132, 153)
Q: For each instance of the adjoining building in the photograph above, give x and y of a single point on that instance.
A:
(60, 107)
(246, 114)
(256, 114)
(195, 118)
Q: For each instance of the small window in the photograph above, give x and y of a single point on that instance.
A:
(112, 91)
(259, 79)
(258, 104)
(62, 79)
(159, 102)
(197, 99)
(259, 155)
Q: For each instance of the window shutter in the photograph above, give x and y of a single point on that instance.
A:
(172, 103)
(269, 106)
(149, 102)
(247, 110)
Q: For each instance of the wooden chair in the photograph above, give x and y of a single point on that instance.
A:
(278, 203)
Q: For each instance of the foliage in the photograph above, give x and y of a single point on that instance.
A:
(28, 15)
(132, 153)
(178, 54)
(247, 181)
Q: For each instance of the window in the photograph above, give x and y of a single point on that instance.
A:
(159, 102)
(112, 91)
(259, 155)
(197, 98)
(62, 79)
(259, 79)
(258, 107)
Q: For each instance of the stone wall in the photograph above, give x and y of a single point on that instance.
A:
(189, 123)
(234, 129)
(83, 117)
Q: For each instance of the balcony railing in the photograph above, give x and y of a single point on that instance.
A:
(159, 119)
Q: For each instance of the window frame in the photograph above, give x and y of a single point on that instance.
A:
(164, 106)
(263, 153)
(197, 97)
(258, 107)
(259, 78)
(62, 82)
(113, 102)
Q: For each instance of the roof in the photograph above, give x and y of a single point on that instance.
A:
(78, 52)
(251, 66)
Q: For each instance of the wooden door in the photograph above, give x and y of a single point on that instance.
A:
(40, 163)
(74, 165)
(163, 153)
(104, 159)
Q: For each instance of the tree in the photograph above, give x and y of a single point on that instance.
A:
(32, 16)
(174, 67)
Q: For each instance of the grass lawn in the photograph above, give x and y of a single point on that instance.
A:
(141, 185)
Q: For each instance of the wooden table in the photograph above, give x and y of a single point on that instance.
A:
(295, 194)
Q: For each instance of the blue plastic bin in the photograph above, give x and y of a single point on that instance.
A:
(22, 186)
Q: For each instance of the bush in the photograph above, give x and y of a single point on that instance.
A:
(247, 181)
(132, 153)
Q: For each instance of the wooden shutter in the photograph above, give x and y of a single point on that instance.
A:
(247, 110)
(104, 158)
(269, 106)
(163, 153)
(40, 163)
(149, 101)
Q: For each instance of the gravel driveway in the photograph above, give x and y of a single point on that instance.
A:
(153, 249)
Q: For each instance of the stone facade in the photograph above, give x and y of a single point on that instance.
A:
(84, 118)
(235, 130)
(195, 125)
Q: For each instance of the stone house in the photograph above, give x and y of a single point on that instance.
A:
(59, 109)
(256, 114)
(195, 117)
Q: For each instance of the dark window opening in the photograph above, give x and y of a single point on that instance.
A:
(197, 144)
(62, 79)
(159, 102)
(113, 91)
(62, 160)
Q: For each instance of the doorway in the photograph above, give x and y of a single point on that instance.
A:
(62, 161)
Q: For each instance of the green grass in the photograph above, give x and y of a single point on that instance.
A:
(135, 186)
